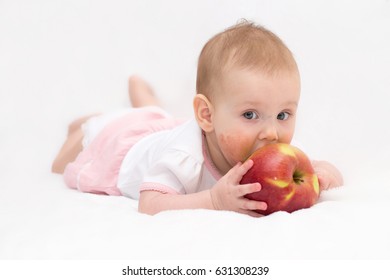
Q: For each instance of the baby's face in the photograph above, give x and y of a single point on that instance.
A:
(250, 110)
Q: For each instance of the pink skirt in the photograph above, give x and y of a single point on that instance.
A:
(96, 168)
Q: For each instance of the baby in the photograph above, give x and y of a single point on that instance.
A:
(248, 90)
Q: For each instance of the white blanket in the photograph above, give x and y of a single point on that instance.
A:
(61, 59)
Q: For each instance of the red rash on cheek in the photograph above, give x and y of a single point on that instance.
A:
(234, 147)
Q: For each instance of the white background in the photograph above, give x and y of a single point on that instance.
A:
(62, 59)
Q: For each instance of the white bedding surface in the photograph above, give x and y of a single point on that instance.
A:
(58, 223)
(60, 60)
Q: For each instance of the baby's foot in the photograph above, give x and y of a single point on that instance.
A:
(140, 93)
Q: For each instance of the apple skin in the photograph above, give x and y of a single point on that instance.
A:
(287, 177)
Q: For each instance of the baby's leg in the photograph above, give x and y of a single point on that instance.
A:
(72, 146)
(140, 93)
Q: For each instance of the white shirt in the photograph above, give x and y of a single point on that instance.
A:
(171, 161)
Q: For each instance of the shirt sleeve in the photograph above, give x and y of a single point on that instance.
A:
(175, 173)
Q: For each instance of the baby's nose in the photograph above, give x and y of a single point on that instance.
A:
(269, 133)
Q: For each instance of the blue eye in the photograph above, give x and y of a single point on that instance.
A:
(250, 115)
(283, 116)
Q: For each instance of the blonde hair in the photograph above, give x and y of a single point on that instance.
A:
(246, 46)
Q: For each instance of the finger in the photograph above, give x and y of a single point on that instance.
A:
(241, 169)
(245, 189)
(323, 181)
(249, 204)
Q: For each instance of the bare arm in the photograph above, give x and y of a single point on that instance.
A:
(153, 202)
(226, 194)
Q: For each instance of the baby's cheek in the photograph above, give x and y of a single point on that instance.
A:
(235, 147)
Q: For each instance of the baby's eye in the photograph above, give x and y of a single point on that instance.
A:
(250, 115)
(283, 116)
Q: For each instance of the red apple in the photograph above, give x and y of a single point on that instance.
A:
(287, 177)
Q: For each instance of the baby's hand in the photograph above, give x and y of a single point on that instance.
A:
(328, 175)
(228, 194)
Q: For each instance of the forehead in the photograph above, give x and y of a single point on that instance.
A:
(245, 85)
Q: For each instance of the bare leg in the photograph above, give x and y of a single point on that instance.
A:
(140, 93)
(72, 146)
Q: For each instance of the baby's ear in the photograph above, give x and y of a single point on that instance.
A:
(203, 110)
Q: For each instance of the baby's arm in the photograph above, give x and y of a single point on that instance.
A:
(328, 175)
(226, 194)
